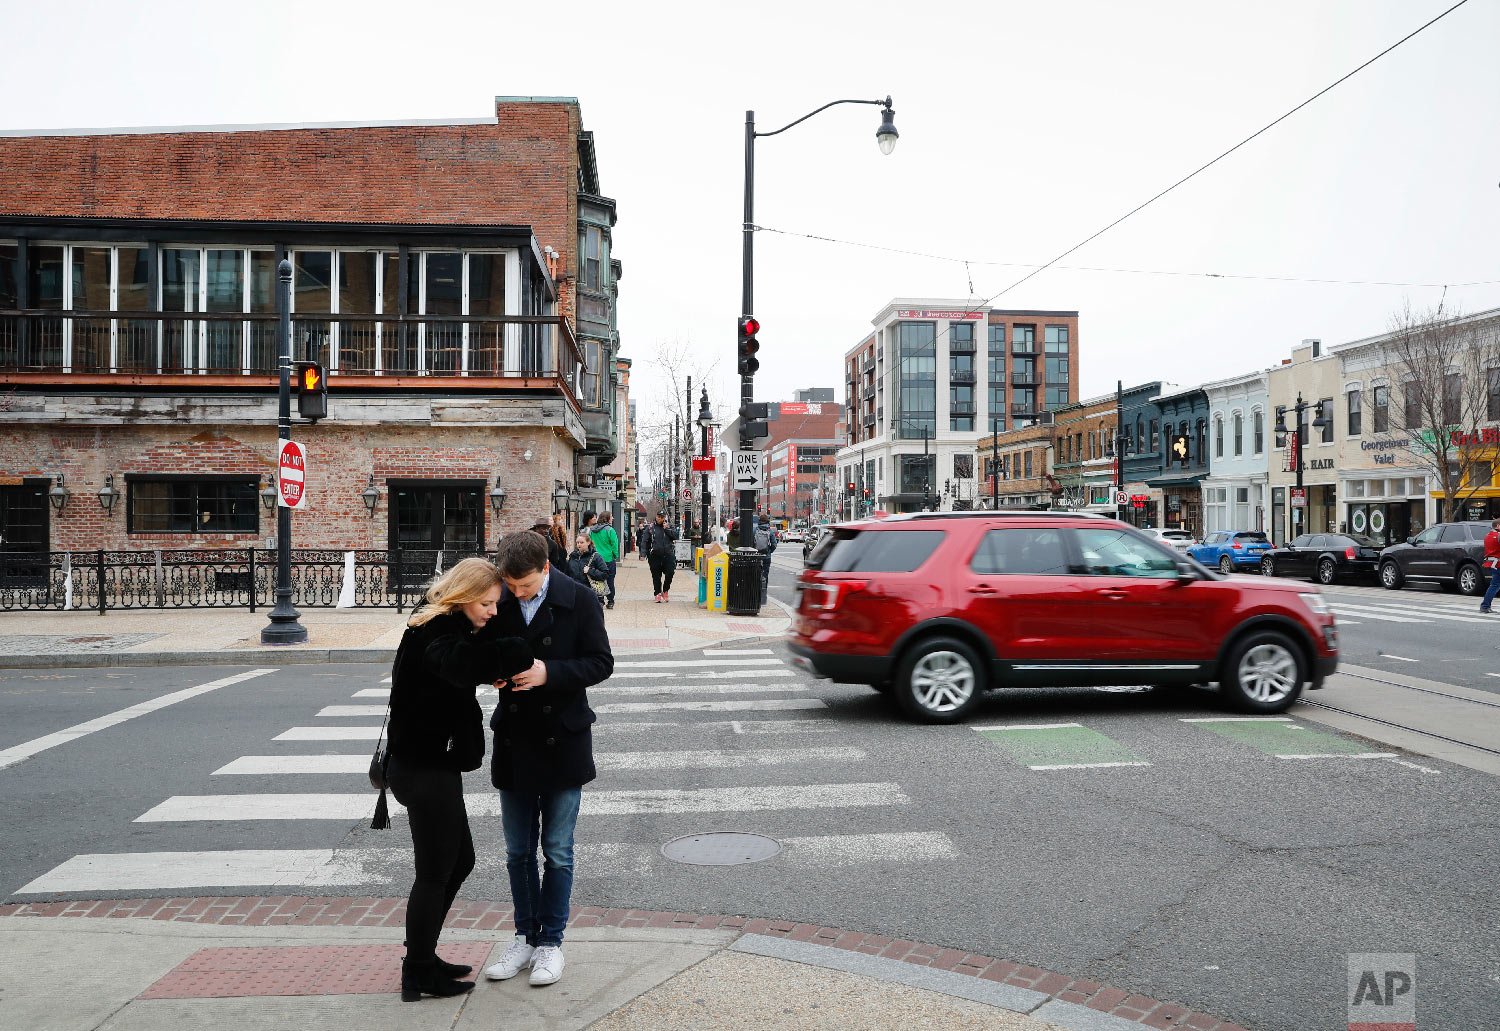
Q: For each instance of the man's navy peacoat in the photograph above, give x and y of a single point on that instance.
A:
(542, 737)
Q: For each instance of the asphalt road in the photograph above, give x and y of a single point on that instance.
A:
(1215, 873)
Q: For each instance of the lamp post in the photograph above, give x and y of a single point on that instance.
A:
(1320, 421)
(886, 137)
(283, 627)
(705, 420)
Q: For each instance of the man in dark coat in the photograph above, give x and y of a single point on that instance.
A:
(544, 750)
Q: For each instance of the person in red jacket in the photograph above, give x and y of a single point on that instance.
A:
(1492, 563)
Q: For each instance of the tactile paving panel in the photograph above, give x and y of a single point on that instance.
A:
(299, 970)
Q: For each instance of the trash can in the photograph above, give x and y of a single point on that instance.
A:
(744, 582)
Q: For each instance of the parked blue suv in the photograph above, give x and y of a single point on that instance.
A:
(1231, 549)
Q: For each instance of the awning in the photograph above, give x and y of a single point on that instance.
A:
(1183, 480)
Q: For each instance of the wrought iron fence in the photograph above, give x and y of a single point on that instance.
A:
(218, 578)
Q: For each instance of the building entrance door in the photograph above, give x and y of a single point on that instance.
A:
(432, 520)
(23, 534)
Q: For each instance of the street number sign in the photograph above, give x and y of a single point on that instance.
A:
(749, 471)
(291, 475)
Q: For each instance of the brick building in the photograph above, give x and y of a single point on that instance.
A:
(454, 278)
(805, 437)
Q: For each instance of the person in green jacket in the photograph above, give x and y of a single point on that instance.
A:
(607, 544)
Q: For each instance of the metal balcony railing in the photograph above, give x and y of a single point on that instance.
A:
(132, 343)
(961, 376)
(961, 346)
(961, 408)
(1025, 379)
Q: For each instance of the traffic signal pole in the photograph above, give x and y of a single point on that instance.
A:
(283, 627)
(747, 308)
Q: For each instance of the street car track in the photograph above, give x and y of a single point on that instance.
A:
(1402, 726)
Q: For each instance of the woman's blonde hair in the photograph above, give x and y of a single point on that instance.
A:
(468, 581)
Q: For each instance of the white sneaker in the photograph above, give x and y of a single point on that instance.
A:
(515, 958)
(547, 964)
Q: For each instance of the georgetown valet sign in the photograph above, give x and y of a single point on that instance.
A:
(1385, 450)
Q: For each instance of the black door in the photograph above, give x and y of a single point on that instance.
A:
(24, 534)
(432, 518)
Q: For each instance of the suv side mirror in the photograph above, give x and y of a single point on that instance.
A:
(1411, 540)
(1186, 574)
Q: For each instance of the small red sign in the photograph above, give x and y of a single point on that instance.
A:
(291, 475)
(703, 465)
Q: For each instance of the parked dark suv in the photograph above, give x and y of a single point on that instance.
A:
(1447, 553)
(938, 607)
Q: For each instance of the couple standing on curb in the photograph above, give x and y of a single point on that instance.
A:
(539, 637)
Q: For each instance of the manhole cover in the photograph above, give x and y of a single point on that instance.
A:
(721, 848)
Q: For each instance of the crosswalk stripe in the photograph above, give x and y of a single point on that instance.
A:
(240, 868)
(738, 651)
(792, 726)
(850, 849)
(722, 759)
(369, 733)
(684, 663)
(331, 806)
(1349, 610)
(716, 674)
(373, 692)
(645, 689)
(20, 753)
(728, 705)
(1376, 608)
(346, 711)
(277, 764)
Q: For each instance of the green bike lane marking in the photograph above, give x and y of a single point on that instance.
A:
(1060, 746)
(1284, 738)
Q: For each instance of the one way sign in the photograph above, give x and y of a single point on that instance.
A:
(749, 470)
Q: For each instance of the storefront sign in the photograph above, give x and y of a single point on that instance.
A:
(801, 408)
(1385, 450)
(1320, 463)
(930, 313)
(1488, 435)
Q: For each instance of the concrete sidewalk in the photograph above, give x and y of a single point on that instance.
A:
(203, 636)
(166, 964)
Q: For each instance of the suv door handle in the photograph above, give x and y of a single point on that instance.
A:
(983, 589)
(1112, 593)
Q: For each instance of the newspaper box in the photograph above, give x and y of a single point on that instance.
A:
(716, 581)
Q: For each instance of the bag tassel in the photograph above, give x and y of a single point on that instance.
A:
(382, 819)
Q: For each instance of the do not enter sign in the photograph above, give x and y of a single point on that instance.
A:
(291, 475)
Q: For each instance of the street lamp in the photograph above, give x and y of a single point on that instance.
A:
(741, 573)
(268, 496)
(497, 497)
(371, 496)
(108, 495)
(1320, 421)
(59, 494)
(705, 420)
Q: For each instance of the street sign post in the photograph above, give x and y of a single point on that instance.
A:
(291, 476)
(749, 470)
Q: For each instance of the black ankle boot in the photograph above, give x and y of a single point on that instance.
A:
(446, 968)
(424, 978)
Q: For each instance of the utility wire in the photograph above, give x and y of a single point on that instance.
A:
(1104, 268)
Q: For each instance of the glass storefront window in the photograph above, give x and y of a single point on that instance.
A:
(91, 276)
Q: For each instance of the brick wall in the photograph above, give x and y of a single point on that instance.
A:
(340, 459)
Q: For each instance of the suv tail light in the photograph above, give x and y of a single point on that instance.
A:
(1349, 553)
(825, 597)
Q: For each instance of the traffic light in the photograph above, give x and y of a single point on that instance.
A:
(851, 487)
(753, 420)
(748, 363)
(312, 391)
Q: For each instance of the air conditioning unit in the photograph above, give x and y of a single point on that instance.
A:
(1044, 418)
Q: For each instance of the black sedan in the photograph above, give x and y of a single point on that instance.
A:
(1324, 557)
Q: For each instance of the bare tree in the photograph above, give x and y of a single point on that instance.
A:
(1446, 372)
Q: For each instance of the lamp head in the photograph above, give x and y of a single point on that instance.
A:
(887, 135)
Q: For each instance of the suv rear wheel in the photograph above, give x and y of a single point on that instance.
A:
(939, 680)
(1469, 581)
(1263, 673)
(1390, 576)
(1226, 565)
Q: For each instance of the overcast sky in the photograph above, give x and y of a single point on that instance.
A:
(1025, 127)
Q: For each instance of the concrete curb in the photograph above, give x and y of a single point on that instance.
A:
(283, 656)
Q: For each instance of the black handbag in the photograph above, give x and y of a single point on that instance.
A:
(379, 765)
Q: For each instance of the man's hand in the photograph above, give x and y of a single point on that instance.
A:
(536, 676)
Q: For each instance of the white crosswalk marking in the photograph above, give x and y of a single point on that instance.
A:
(279, 764)
(330, 806)
(723, 759)
(369, 733)
(683, 663)
(1368, 613)
(647, 689)
(157, 871)
(1404, 614)
(699, 675)
(346, 711)
(737, 651)
(373, 692)
(732, 705)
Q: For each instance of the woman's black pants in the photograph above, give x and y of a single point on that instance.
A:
(662, 569)
(443, 847)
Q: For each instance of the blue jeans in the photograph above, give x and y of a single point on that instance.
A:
(541, 900)
(610, 577)
(1494, 588)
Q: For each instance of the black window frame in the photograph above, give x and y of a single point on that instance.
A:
(134, 481)
(1354, 411)
(1380, 406)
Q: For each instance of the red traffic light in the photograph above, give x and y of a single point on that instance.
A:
(312, 377)
(752, 326)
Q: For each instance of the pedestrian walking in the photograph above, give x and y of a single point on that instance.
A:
(585, 566)
(641, 533)
(607, 545)
(544, 750)
(436, 735)
(661, 553)
(765, 543)
(1492, 563)
(557, 550)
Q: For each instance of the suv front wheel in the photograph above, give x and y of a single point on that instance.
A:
(939, 680)
(1390, 576)
(1263, 673)
(1469, 581)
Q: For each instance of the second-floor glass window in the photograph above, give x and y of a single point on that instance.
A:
(590, 249)
(1259, 431)
(1239, 434)
(1219, 436)
(1380, 409)
(1352, 407)
(1327, 435)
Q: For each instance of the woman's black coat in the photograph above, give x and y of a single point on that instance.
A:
(435, 719)
(542, 737)
(580, 563)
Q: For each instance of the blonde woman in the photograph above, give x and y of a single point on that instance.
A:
(436, 735)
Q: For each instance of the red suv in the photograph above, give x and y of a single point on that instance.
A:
(935, 608)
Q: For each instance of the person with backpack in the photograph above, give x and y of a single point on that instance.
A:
(661, 553)
(765, 543)
(607, 546)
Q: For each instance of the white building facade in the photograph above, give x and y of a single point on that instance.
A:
(1235, 492)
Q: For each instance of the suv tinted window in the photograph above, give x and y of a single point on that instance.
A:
(1453, 533)
(880, 551)
(1107, 551)
(1478, 531)
(1250, 535)
(1429, 535)
(1217, 538)
(1021, 550)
